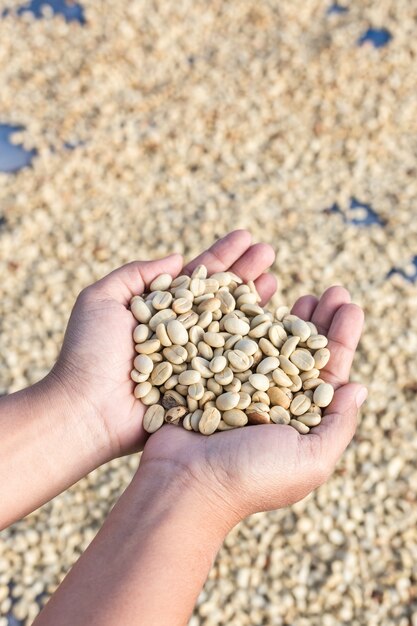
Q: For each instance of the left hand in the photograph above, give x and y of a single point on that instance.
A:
(93, 368)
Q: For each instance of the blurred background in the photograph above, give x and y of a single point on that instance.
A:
(133, 129)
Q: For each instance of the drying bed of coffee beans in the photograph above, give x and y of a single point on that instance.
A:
(158, 127)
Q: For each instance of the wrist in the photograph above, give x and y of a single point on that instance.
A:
(173, 488)
(77, 418)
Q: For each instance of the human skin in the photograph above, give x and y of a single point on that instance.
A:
(149, 561)
(83, 413)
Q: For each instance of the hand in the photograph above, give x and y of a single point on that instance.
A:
(266, 467)
(93, 369)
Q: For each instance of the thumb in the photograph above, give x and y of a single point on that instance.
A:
(134, 277)
(337, 428)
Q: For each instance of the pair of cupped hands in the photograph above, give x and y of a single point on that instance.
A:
(241, 471)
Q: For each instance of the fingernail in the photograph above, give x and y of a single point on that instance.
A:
(361, 396)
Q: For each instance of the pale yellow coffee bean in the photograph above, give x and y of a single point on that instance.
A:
(297, 383)
(259, 381)
(162, 335)
(267, 347)
(300, 405)
(205, 319)
(227, 401)
(310, 419)
(300, 427)
(182, 389)
(251, 309)
(236, 326)
(161, 283)
(189, 377)
(181, 282)
(223, 427)
(288, 367)
(301, 359)
(200, 299)
(186, 422)
(281, 312)
(161, 373)
(270, 364)
(181, 305)
(217, 364)
(171, 382)
(288, 320)
(244, 400)
(162, 300)
(196, 390)
(141, 311)
(223, 278)
(205, 350)
(214, 386)
(196, 334)
(307, 392)
(188, 320)
(137, 377)
(248, 346)
(301, 329)
(214, 327)
(177, 333)
(312, 383)
(279, 415)
(323, 395)
(277, 396)
(227, 302)
(289, 346)
(215, 340)
(211, 304)
(224, 377)
(191, 351)
(183, 293)
(142, 389)
(197, 286)
(143, 364)
(161, 317)
(315, 409)
(200, 271)
(238, 360)
(173, 415)
(209, 421)
(202, 365)
(192, 404)
(235, 417)
(261, 330)
(240, 290)
(314, 373)
(208, 396)
(313, 328)
(258, 413)
(195, 419)
(175, 354)
(243, 376)
(172, 398)
(152, 396)
(277, 335)
(153, 418)
(230, 340)
(246, 298)
(321, 358)
(281, 378)
(141, 333)
(149, 346)
(261, 396)
(315, 342)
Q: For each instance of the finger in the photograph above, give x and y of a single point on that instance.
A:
(266, 286)
(329, 303)
(254, 262)
(133, 278)
(344, 334)
(326, 442)
(223, 253)
(305, 307)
